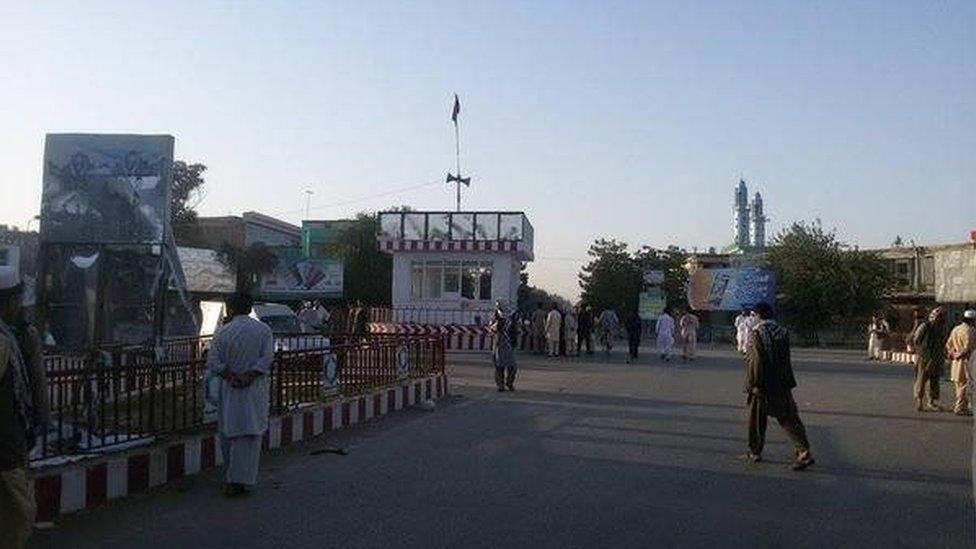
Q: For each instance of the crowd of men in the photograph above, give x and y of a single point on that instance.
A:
(570, 331)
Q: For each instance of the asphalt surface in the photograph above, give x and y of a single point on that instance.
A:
(591, 453)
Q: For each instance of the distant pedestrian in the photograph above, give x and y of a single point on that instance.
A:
(585, 330)
(878, 330)
(929, 341)
(769, 386)
(634, 325)
(240, 356)
(502, 355)
(570, 329)
(553, 326)
(539, 329)
(665, 334)
(608, 323)
(960, 350)
(688, 334)
(23, 411)
(743, 329)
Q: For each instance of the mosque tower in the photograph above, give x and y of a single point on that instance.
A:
(740, 216)
(758, 226)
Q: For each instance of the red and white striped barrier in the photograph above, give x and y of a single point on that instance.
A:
(91, 483)
(459, 337)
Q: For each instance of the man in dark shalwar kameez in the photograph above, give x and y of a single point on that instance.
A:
(502, 354)
(769, 386)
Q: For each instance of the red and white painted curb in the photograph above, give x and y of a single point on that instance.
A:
(902, 357)
(91, 483)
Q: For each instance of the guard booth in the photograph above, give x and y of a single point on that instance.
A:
(450, 267)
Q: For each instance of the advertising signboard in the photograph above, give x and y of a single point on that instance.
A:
(106, 188)
(955, 276)
(731, 289)
(651, 301)
(299, 277)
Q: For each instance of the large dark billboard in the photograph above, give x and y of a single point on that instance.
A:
(106, 188)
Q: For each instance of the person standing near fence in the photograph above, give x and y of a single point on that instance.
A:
(23, 411)
(502, 355)
(241, 356)
(959, 349)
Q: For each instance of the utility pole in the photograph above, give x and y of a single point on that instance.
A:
(451, 178)
(308, 201)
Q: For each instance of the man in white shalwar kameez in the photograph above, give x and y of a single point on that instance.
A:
(554, 326)
(744, 323)
(665, 334)
(240, 356)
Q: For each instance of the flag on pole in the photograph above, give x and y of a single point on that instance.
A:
(457, 109)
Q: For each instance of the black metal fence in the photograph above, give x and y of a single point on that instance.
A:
(118, 397)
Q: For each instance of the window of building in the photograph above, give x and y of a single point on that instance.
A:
(433, 276)
(450, 280)
(416, 280)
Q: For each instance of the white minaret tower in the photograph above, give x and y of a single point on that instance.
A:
(758, 227)
(740, 216)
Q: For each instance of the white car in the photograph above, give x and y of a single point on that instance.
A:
(290, 334)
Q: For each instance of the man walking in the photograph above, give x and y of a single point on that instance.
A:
(585, 330)
(554, 326)
(570, 329)
(241, 355)
(743, 329)
(929, 341)
(502, 355)
(665, 334)
(23, 411)
(769, 386)
(959, 349)
(539, 329)
(688, 332)
(633, 325)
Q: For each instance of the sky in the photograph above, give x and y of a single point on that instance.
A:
(627, 120)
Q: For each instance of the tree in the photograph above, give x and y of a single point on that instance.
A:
(249, 263)
(612, 278)
(822, 282)
(367, 272)
(185, 195)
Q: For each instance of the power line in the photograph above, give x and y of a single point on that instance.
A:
(363, 198)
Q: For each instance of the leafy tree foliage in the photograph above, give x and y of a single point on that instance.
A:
(823, 282)
(186, 194)
(250, 263)
(612, 278)
(368, 272)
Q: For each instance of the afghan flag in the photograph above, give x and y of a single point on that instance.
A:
(457, 109)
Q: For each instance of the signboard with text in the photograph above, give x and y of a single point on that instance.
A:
(731, 289)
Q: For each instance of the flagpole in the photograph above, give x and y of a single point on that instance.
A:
(457, 150)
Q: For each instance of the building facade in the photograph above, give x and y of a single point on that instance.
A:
(450, 267)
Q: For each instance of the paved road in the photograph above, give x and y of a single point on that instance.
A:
(591, 453)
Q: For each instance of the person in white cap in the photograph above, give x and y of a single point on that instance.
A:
(23, 410)
(959, 349)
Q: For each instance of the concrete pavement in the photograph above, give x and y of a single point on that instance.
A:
(592, 452)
